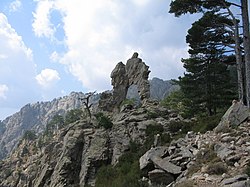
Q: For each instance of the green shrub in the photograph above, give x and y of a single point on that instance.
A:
(152, 114)
(103, 121)
(29, 135)
(128, 102)
(73, 116)
(216, 168)
(206, 123)
(57, 122)
(165, 138)
(207, 155)
(180, 126)
(125, 174)
(150, 132)
(177, 101)
(154, 129)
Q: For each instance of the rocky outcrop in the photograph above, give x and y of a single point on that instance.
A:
(35, 117)
(159, 89)
(210, 159)
(138, 73)
(120, 84)
(73, 155)
(135, 72)
(234, 116)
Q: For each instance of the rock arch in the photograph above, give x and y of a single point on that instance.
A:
(135, 72)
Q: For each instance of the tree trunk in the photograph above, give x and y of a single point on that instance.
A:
(246, 43)
(239, 65)
(238, 55)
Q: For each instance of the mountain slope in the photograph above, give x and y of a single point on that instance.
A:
(36, 116)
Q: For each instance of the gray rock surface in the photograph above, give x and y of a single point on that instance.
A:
(165, 165)
(135, 72)
(237, 181)
(159, 89)
(73, 155)
(35, 117)
(160, 177)
(196, 158)
(120, 84)
(138, 73)
(234, 116)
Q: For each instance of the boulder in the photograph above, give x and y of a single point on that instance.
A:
(165, 165)
(223, 151)
(153, 152)
(234, 116)
(237, 181)
(159, 176)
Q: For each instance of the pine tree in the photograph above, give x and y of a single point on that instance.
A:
(180, 7)
(207, 81)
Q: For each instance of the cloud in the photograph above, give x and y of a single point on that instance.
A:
(99, 34)
(42, 25)
(3, 90)
(15, 6)
(47, 78)
(54, 57)
(17, 70)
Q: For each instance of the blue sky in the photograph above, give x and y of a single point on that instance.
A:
(50, 48)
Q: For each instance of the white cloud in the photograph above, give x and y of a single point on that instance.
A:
(47, 78)
(54, 57)
(99, 34)
(3, 89)
(11, 40)
(42, 25)
(15, 6)
(3, 56)
(17, 70)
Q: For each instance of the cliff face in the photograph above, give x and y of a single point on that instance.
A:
(35, 117)
(70, 154)
(73, 155)
(159, 89)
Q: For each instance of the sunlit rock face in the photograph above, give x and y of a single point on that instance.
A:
(35, 117)
(135, 72)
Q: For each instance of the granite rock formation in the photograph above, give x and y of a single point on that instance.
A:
(135, 72)
(35, 117)
(210, 159)
(73, 155)
(234, 116)
(138, 72)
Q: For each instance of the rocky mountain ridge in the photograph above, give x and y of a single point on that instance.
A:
(35, 116)
(125, 144)
(73, 155)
